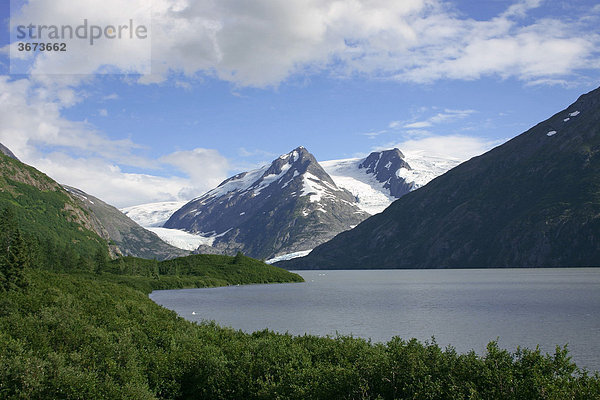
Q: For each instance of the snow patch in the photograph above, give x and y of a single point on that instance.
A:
(288, 256)
(551, 133)
(181, 239)
(315, 188)
(370, 193)
(268, 179)
(153, 214)
(574, 113)
(566, 119)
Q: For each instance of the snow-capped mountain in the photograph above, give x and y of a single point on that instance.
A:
(384, 176)
(288, 206)
(374, 182)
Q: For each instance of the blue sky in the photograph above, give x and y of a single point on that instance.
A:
(236, 83)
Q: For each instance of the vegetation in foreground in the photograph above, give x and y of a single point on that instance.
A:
(75, 337)
(87, 330)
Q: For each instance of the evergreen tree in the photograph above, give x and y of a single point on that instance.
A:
(14, 255)
(101, 261)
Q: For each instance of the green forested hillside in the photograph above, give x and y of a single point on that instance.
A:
(47, 213)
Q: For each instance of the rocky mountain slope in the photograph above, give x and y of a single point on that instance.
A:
(6, 151)
(288, 206)
(531, 202)
(128, 236)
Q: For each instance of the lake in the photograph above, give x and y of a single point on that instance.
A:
(462, 308)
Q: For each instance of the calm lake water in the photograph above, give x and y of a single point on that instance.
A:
(462, 308)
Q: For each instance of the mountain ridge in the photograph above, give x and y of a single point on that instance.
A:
(130, 238)
(50, 210)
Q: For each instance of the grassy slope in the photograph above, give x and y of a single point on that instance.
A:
(44, 209)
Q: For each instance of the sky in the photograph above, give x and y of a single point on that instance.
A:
(219, 87)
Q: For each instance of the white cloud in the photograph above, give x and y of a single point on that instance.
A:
(205, 167)
(34, 129)
(264, 42)
(418, 125)
(125, 54)
(458, 147)
(446, 116)
(374, 134)
(103, 112)
(105, 180)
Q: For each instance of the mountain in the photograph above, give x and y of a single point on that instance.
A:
(128, 236)
(384, 176)
(288, 206)
(48, 212)
(70, 217)
(531, 202)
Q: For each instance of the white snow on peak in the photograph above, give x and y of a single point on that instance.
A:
(153, 214)
(370, 193)
(240, 184)
(295, 156)
(315, 188)
(426, 167)
(288, 256)
(566, 119)
(551, 133)
(574, 113)
(268, 179)
(388, 165)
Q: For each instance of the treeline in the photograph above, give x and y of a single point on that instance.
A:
(25, 250)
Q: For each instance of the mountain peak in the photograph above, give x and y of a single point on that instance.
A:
(289, 205)
(386, 166)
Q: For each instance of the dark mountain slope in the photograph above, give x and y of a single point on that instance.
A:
(533, 201)
(384, 165)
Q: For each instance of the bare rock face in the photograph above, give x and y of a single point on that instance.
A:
(5, 150)
(128, 237)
